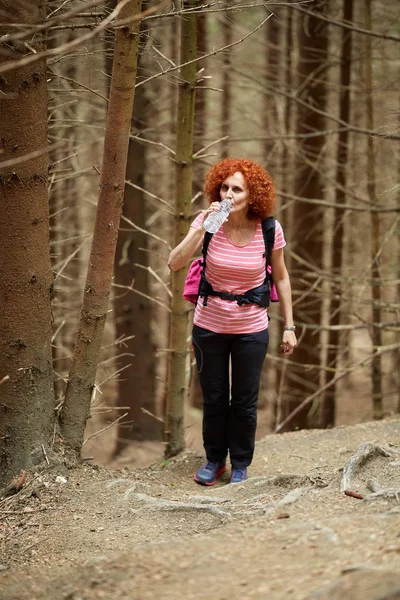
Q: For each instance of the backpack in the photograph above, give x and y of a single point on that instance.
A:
(197, 285)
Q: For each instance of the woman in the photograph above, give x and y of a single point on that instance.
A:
(225, 331)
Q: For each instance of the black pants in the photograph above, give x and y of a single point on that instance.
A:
(229, 423)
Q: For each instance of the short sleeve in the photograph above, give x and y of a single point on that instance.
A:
(279, 241)
(196, 224)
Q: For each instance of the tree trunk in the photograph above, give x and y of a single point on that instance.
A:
(289, 150)
(287, 76)
(396, 353)
(133, 312)
(174, 423)
(272, 159)
(76, 409)
(201, 96)
(226, 100)
(27, 397)
(65, 201)
(328, 409)
(272, 154)
(376, 334)
(199, 171)
(313, 44)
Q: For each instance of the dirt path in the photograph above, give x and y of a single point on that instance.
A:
(289, 532)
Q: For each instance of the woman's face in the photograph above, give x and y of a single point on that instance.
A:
(235, 188)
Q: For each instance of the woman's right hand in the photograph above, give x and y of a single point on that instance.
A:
(214, 207)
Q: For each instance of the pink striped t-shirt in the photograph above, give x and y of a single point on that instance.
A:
(235, 269)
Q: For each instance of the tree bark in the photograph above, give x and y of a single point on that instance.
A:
(329, 401)
(272, 154)
(174, 423)
(313, 45)
(226, 100)
(76, 409)
(376, 334)
(67, 224)
(195, 392)
(287, 76)
(133, 312)
(274, 57)
(27, 397)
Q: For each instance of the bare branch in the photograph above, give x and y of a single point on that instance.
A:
(223, 139)
(35, 154)
(212, 53)
(132, 224)
(57, 331)
(8, 37)
(332, 382)
(119, 341)
(104, 428)
(292, 97)
(349, 207)
(82, 85)
(321, 17)
(132, 289)
(69, 258)
(145, 141)
(206, 9)
(156, 277)
(64, 48)
(294, 136)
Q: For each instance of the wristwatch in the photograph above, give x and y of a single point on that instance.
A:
(289, 328)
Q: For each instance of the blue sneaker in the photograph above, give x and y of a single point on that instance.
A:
(239, 475)
(209, 472)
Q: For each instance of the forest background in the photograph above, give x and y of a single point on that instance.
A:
(309, 90)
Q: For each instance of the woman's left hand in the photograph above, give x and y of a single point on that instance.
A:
(289, 342)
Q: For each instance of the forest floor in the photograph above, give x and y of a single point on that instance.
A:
(82, 532)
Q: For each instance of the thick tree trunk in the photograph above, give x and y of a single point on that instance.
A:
(289, 148)
(174, 423)
(27, 397)
(67, 225)
(201, 94)
(226, 100)
(76, 409)
(199, 170)
(272, 160)
(313, 44)
(287, 76)
(272, 154)
(376, 334)
(133, 312)
(328, 409)
(397, 275)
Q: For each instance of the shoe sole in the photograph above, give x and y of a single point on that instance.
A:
(219, 473)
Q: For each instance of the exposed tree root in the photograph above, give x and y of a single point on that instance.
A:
(365, 451)
(387, 494)
(281, 480)
(171, 505)
(373, 485)
(209, 499)
(269, 507)
(315, 529)
(235, 506)
(206, 504)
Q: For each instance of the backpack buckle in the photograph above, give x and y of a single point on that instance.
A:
(227, 296)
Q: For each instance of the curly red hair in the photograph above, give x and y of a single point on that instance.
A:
(262, 198)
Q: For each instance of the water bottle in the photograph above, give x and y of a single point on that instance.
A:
(215, 219)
